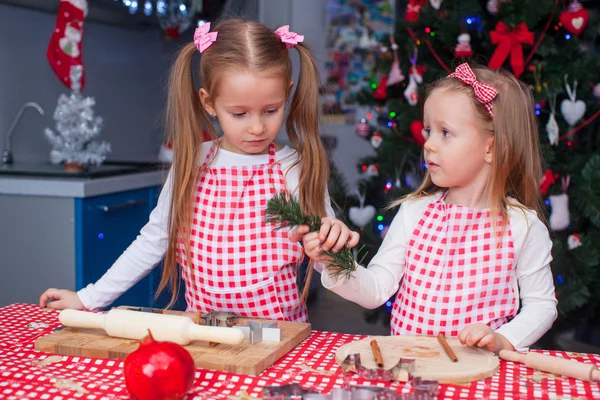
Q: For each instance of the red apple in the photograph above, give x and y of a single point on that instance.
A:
(158, 370)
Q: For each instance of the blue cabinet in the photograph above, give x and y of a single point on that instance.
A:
(104, 227)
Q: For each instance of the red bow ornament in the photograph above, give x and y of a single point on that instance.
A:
(510, 42)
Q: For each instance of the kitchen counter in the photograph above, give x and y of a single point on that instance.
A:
(53, 181)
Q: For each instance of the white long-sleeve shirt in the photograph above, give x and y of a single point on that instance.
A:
(148, 249)
(531, 275)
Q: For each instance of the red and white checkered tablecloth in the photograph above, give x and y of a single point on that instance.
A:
(311, 364)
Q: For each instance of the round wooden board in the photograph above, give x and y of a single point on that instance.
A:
(431, 361)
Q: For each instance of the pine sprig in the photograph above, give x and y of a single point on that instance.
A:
(284, 211)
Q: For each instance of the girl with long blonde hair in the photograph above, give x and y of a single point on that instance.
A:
(467, 253)
(209, 222)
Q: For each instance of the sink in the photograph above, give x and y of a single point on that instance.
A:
(109, 168)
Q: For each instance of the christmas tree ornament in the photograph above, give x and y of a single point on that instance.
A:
(285, 212)
(413, 8)
(572, 109)
(573, 241)
(395, 76)
(547, 180)
(372, 171)
(510, 42)
(362, 215)
(380, 92)
(158, 370)
(376, 140)
(492, 6)
(363, 129)
(559, 217)
(596, 90)
(575, 19)
(463, 48)
(415, 78)
(416, 130)
(65, 46)
(552, 129)
(76, 128)
(436, 4)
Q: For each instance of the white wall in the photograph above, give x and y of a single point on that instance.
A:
(125, 72)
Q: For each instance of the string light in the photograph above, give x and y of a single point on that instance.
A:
(380, 218)
(369, 116)
(380, 227)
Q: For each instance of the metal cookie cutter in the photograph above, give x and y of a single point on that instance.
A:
(219, 318)
(400, 372)
(257, 332)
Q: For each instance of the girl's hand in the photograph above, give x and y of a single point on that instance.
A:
(62, 299)
(481, 335)
(334, 235)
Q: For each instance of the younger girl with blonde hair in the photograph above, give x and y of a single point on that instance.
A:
(467, 250)
(210, 216)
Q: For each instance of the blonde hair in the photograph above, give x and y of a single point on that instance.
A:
(517, 167)
(240, 46)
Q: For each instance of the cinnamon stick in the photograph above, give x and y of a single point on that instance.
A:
(377, 353)
(447, 347)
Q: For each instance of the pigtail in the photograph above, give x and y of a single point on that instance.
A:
(303, 131)
(187, 124)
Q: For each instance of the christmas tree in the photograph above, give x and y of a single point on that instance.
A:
(547, 44)
(76, 128)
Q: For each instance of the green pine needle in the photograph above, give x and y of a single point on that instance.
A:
(284, 211)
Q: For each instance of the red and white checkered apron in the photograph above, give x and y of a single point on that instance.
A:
(241, 264)
(456, 274)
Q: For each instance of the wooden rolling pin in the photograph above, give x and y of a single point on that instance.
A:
(135, 325)
(554, 365)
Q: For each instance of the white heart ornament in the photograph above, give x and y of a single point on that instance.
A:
(572, 111)
(577, 22)
(361, 216)
(435, 4)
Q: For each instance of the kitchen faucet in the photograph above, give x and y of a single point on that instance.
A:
(7, 156)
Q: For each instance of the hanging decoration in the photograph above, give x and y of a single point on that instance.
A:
(559, 217)
(510, 42)
(381, 92)
(413, 8)
(436, 4)
(395, 76)
(376, 140)
(416, 130)
(65, 48)
(575, 19)
(552, 129)
(463, 48)
(415, 78)
(547, 180)
(574, 241)
(572, 109)
(361, 215)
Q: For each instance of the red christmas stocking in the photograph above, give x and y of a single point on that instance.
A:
(65, 47)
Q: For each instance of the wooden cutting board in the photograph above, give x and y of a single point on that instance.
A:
(431, 361)
(245, 358)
